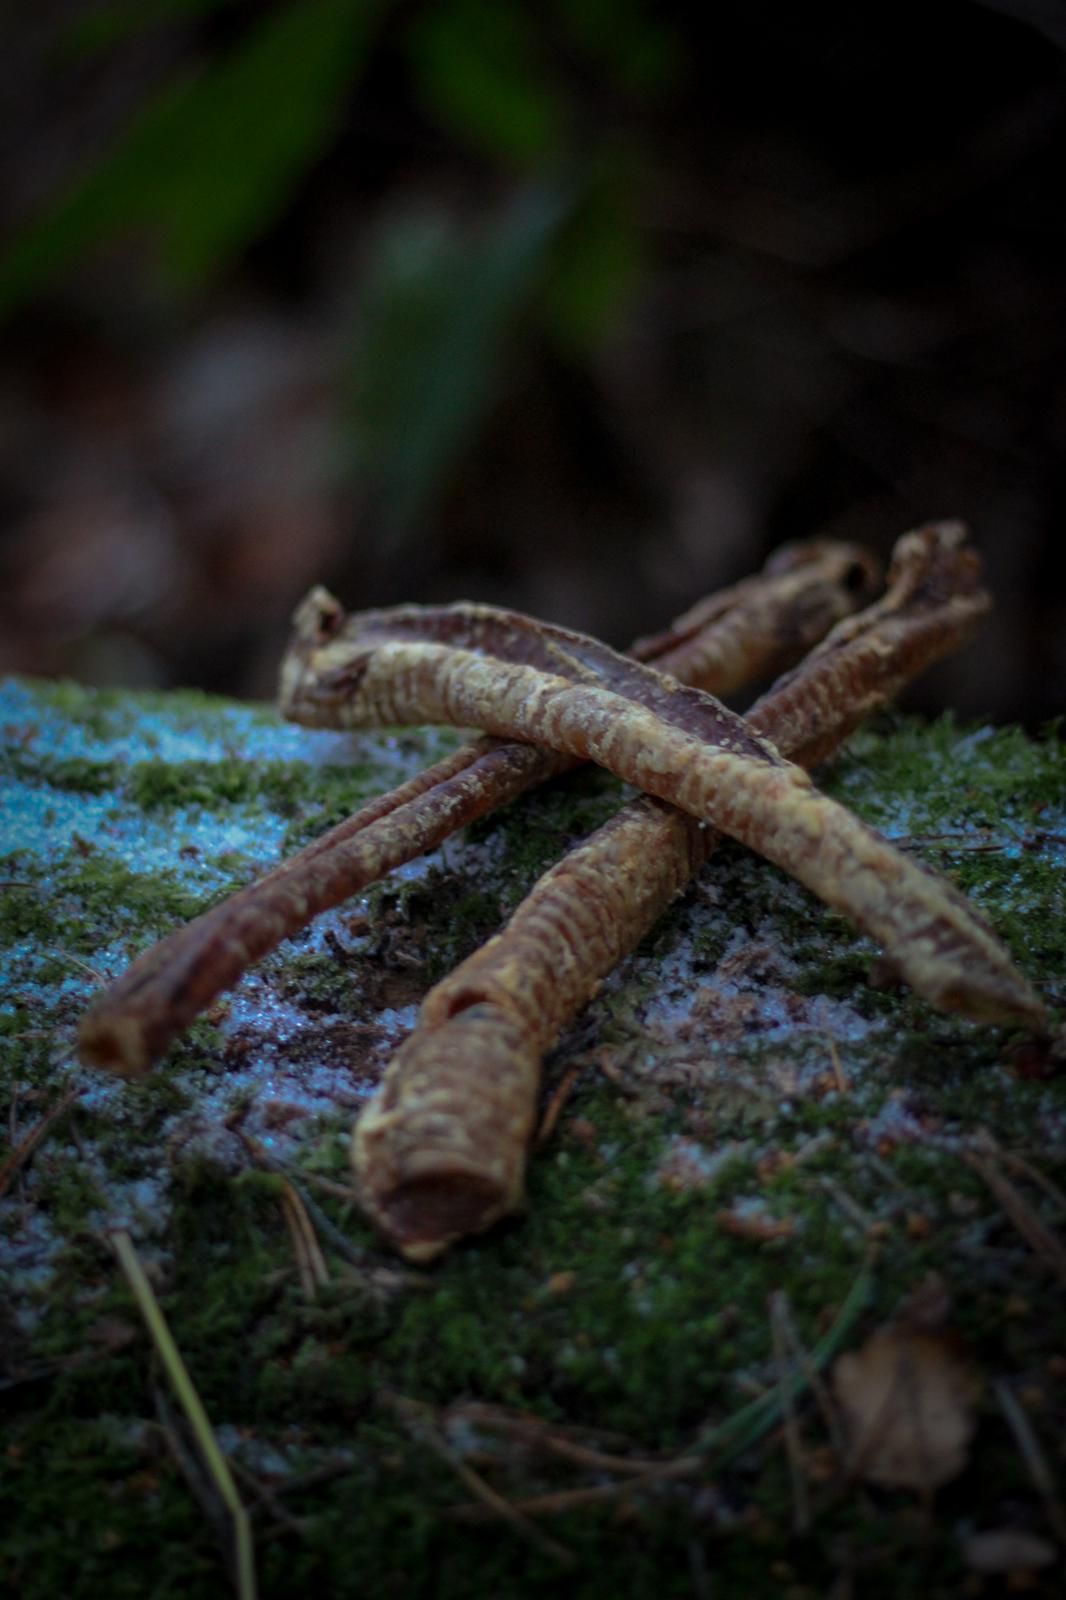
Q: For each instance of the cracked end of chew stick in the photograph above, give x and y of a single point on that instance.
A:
(457, 1160)
(738, 636)
(441, 1150)
(597, 904)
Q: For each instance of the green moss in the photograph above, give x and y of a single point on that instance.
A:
(73, 774)
(617, 1303)
(110, 896)
(287, 788)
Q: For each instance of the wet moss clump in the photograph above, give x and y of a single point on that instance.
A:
(753, 1107)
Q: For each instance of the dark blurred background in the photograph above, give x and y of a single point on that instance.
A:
(579, 306)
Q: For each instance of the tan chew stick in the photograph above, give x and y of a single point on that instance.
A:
(739, 636)
(441, 1150)
(513, 676)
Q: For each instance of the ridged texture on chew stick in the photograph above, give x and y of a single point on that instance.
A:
(441, 1150)
(742, 634)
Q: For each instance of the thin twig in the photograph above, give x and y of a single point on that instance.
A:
(75, 961)
(844, 1202)
(337, 1191)
(418, 1421)
(801, 1508)
(200, 1484)
(978, 843)
(1033, 1456)
(267, 1496)
(536, 1434)
(554, 1109)
(322, 1224)
(25, 1148)
(1018, 1163)
(1035, 1232)
(310, 1262)
(483, 1413)
(838, 1070)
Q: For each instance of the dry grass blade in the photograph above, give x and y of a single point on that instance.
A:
(310, 1262)
(176, 1370)
(441, 1150)
(749, 630)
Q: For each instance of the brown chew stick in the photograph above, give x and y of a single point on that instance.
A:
(476, 666)
(737, 637)
(441, 1150)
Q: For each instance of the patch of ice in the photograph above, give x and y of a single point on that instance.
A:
(211, 733)
(48, 822)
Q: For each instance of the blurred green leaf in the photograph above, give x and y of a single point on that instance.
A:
(211, 161)
(597, 265)
(642, 52)
(101, 27)
(436, 307)
(476, 71)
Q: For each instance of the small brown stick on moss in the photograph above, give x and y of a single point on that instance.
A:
(750, 630)
(441, 1150)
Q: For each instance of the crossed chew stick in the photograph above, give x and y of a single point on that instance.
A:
(475, 666)
(441, 1150)
(743, 634)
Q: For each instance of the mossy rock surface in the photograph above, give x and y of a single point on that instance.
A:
(754, 1113)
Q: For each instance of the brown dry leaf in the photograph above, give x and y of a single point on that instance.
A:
(909, 1399)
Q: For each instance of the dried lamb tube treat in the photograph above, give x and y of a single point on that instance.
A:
(749, 630)
(473, 665)
(441, 1150)
(134, 1020)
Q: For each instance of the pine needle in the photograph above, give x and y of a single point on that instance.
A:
(191, 1404)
